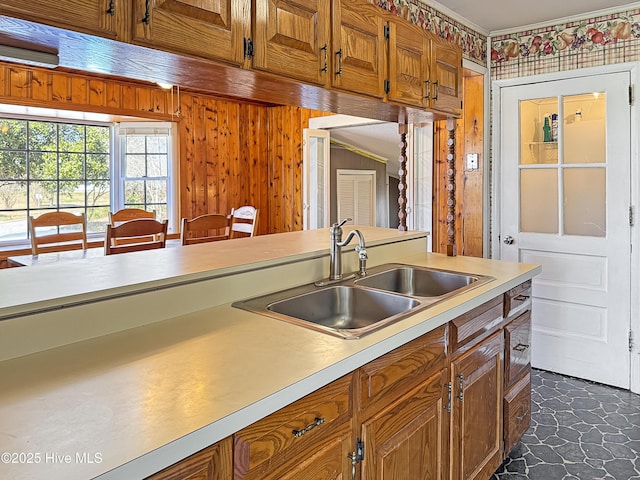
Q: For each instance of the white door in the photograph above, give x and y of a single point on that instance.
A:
(315, 178)
(356, 196)
(565, 205)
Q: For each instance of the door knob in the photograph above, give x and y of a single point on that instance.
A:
(508, 240)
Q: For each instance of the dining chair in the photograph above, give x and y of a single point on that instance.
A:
(205, 228)
(64, 236)
(126, 214)
(134, 235)
(244, 222)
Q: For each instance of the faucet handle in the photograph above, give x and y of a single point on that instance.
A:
(342, 222)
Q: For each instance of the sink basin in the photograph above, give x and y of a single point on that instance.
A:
(356, 306)
(345, 311)
(421, 281)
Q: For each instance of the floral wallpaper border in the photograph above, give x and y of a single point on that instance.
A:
(473, 44)
(602, 40)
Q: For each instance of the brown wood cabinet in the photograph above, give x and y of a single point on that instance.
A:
(104, 18)
(359, 53)
(445, 77)
(409, 62)
(211, 30)
(408, 438)
(292, 38)
(212, 463)
(476, 416)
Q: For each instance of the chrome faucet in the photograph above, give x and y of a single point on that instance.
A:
(335, 253)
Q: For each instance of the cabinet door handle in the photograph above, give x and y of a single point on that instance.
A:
(146, 19)
(461, 386)
(428, 85)
(112, 8)
(521, 347)
(325, 67)
(522, 298)
(339, 55)
(316, 423)
(435, 90)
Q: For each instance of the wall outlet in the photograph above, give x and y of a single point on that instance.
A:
(472, 161)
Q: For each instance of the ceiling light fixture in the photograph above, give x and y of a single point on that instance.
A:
(165, 86)
(29, 57)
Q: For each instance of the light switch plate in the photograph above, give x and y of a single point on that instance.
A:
(472, 161)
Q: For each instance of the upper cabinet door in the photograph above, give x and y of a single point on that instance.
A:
(100, 17)
(291, 38)
(359, 54)
(408, 63)
(446, 76)
(213, 29)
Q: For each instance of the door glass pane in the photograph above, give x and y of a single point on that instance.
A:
(584, 128)
(585, 201)
(317, 200)
(539, 200)
(539, 131)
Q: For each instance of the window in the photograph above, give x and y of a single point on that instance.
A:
(79, 168)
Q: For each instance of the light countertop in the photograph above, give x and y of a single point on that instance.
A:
(139, 400)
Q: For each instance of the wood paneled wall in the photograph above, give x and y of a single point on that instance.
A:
(469, 183)
(231, 153)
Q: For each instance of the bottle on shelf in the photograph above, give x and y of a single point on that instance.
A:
(554, 127)
(546, 129)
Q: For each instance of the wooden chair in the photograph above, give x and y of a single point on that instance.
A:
(199, 229)
(63, 240)
(134, 235)
(244, 221)
(126, 214)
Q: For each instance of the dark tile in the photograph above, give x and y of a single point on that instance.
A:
(584, 471)
(621, 469)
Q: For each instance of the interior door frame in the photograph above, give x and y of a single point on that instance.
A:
(634, 69)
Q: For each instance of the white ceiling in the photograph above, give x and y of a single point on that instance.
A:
(494, 15)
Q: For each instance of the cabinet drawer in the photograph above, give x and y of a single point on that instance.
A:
(517, 412)
(386, 378)
(212, 463)
(517, 355)
(517, 299)
(289, 430)
(476, 324)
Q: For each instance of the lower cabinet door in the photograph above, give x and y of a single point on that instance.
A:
(407, 439)
(517, 412)
(476, 440)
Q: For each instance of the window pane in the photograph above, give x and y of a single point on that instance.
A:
(585, 128)
(135, 144)
(156, 191)
(43, 165)
(539, 200)
(13, 165)
(43, 194)
(157, 165)
(98, 139)
(13, 195)
(134, 192)
(98, 193)
(538, 131)
(43, 136)
(71, 194)
(71, 165)
(585, 202)
(13, 225)
(98, 166)
(13, 134)
(157, 144)
(97, 219)
(71, 138)
(136, 166)
(161, 211)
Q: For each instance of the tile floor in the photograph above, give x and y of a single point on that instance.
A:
(579, 431)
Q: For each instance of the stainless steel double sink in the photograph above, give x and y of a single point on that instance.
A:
(359, 305)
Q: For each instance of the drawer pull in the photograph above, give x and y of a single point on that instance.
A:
(521, 347)
(522, 298)
(316, 423)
